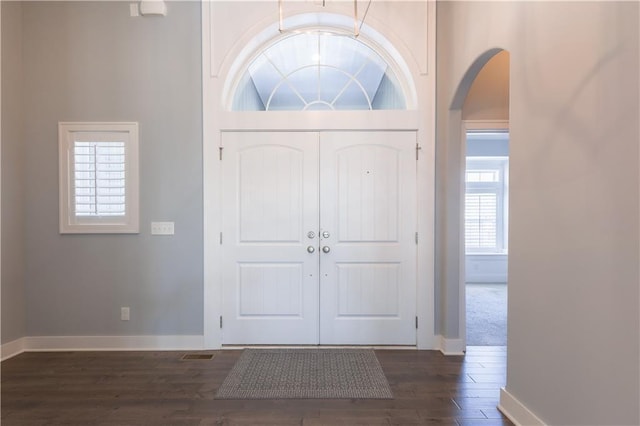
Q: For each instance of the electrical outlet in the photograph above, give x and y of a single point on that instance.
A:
(162, 228)
(124, 313)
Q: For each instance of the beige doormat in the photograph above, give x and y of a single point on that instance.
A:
(306, 373)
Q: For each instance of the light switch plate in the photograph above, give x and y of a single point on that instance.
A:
(162, 228)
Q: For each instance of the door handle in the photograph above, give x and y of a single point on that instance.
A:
(326, 249)
(311, 249)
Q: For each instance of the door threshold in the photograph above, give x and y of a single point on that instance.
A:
(375, 347)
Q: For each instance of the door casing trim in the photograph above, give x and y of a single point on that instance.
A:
(422, 121)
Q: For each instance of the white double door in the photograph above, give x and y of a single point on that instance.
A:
(318, 238)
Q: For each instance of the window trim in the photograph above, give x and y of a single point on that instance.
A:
(69, 223)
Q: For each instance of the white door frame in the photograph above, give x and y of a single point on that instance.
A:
(468, 125)
(216, 120)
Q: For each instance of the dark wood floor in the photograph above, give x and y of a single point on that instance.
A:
(158, 388)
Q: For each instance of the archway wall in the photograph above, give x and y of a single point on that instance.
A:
(573, 254)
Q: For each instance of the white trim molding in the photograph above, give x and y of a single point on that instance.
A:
(13, 348)
(451, 346)
(516, 411)
(102, 343)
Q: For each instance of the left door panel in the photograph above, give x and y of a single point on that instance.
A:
(270, 199)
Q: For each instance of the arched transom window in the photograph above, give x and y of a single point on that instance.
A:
(318, 71)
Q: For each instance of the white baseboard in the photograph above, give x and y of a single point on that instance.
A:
(13, 348)
(101, 343)
(451, 346)
(516, 411)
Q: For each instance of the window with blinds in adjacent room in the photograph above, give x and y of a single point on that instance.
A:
(481, 221)
(484, 217)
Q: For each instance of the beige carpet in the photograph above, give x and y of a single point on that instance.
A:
(306, 373)
(486, 314)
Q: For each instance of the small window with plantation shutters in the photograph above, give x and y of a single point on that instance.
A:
(485, 205)
(98, 177)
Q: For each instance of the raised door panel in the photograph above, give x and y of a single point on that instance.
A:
(368, 191)
(271, 194)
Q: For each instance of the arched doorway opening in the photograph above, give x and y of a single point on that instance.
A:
(482, 104)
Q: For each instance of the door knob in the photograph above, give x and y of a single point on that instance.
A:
(326, 249)
(325, 234)
(311, 249)
(311, 234)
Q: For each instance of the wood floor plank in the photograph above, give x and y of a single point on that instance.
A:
(160, 388)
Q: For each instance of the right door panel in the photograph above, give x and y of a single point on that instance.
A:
(368, 251)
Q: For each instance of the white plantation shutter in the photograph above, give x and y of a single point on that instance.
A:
(481, 220)
(99, 179)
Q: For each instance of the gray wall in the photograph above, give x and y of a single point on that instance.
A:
(91, 61)
(482, 145)
(573, 335)
(13, 292)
